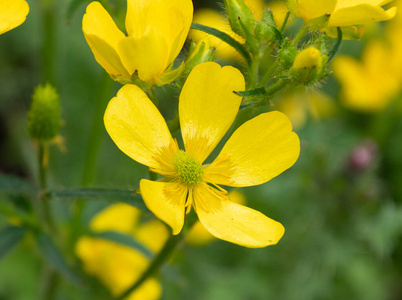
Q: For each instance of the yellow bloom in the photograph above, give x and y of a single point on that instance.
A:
(259, 150)
(12, 14)
(198, 235)
(343, 13)
(368, 85)
(118, 266)
(157, 30)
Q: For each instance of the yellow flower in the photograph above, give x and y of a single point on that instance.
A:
(198, 235)
(157, 30)
(118, 266)
(12, 14)
(214, 19)
(343, 13)
(368, 85)
(259, 150)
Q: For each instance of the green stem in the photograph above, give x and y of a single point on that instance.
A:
(300, 35)
(41, 165)
(252, 75)
(268, 75)
(49, 43)
(50, 283)
(156, 264)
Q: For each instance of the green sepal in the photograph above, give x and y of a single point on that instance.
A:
(348, 32)
(318, 23)
(170, 76)
(237, 10)
(264, 30)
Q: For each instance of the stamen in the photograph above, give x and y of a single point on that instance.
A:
(188, 168)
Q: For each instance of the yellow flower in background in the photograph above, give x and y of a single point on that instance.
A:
(369, 85)
(12, 14)
(118, 266)
(259, 150)
(214, 19)
(298, 104)
(199, 236)
(343, 13)
(157, 30)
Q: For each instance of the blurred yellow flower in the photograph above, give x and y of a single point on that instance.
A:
(214, 19)
(259, 150)
(298, 104)
(118, 266)
(156, 31)
(198, 235)
(343, 13)
(12, 14)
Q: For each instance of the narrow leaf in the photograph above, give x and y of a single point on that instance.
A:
(121, 195)
(226, 38)
(9, 237)
(123, 239)
(256, 92)
(337, 45)
(55, 258)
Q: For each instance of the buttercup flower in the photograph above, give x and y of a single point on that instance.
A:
(12, 14)
(257, 151)
(343, 13)
(118, 266)
(157, 30)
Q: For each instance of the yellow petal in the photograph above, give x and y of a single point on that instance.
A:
(208, 106)
(137, 16)
(12, 14)
(360, 14)
(311, 9)
(166, 200)
(233, 222)
(152, 234)
(259, 150)
(103, 37)
(146, 54)
(119, 217)
(137, 127)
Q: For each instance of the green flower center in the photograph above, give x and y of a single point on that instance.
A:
(189, 169)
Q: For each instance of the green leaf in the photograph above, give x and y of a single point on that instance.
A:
(55, 258)
(335, 48)
(9, 237)
(255, 92)
(226, 38)
(123, 239)
(121, 195)
(15, 186)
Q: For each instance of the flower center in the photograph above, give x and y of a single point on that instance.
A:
(189, 169)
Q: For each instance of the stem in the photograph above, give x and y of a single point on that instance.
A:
(42, 165)
(268, 75)
(49, 43)
(253, 73)
(156, 264)
(300, 35)
(50, 283)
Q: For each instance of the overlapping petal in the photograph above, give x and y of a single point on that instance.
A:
(311, 9)
(259, 150)
(233, 222)
(145, 54)
(362, 13)
(137, 127)
(166, 200)
(103, 37)
(12, 14)
(208, 106)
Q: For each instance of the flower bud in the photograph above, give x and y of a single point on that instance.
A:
(363, 156)
(287, 54)
(307, 66)
(199, 53)
(240, 17)
(44, 114)
(265, 27)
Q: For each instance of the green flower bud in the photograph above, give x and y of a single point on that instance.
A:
(265, 27)
(307, 67)
(287, 54)
(198, 53)
(241, 19)
(44, 114)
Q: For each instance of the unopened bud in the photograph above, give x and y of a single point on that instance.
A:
(44, 114)
(307, 66)
(265, 30)
(199, 53)
(287, 54)
(241, 19)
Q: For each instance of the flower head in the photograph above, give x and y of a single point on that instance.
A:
(257, 151)
(12, 14)
(343, 13)
(118, 266)
(157, 30)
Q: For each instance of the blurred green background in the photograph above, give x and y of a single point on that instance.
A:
(343, 217)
